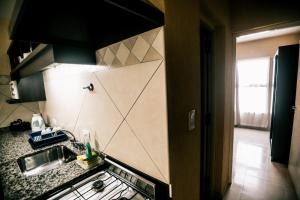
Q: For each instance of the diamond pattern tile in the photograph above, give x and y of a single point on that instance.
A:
(126, 148)
(133, 50)
(100, 56)
(116, 63)
(140, 48)
(125, 84)
(148, 120)
(20, 113)
(150, 36)
(131, 42)
(132, 60)
(123, 53)
(159, 44)
(151, 55)
(99, 113)
(108, 57)
(102, 52)
(114, 47)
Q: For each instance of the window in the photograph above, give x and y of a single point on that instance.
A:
(253, 92)
(253, 82)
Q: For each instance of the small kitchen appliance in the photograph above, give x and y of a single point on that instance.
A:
(14, 93)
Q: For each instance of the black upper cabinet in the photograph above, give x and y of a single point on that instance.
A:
(44, 55)
(73, 30)
(95, 23)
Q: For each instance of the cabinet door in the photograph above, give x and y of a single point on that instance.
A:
(294, 162)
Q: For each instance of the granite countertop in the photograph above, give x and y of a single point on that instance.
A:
(15, 184)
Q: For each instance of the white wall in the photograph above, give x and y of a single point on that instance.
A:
(264, 47)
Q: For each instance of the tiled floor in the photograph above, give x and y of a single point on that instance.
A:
(255, 177)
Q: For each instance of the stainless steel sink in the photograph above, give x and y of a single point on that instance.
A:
(45, 160)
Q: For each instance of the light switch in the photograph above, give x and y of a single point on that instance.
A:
(192, 120)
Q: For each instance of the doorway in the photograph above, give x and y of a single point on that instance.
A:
(254, 175)
(206, 61)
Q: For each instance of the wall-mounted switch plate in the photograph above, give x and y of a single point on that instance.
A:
(192, 120)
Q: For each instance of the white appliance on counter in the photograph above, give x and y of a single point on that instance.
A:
(14, 93)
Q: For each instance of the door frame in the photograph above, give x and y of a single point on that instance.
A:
(206, 65)
(220, 175)
(234, 36)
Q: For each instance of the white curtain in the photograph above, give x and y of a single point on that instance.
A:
(253, 92)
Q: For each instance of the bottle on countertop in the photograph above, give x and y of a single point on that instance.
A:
(86, 141)
(37, 123)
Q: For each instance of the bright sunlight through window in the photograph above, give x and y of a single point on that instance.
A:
(253, 82)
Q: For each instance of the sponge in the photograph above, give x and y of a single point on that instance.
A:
(84, 158)
(87, 164)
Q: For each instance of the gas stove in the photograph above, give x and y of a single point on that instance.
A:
(114, 182)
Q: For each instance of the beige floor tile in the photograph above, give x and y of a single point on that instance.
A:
(260, 178)
(232, 194)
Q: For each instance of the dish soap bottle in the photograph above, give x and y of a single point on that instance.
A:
(88, 148)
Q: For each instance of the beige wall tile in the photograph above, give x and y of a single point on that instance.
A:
(125, 84)
(126, 148)
(4, 90)
(32, 106)
(5, 109)
(4, 79)
(117, 88)
(64, 94)
(99, 114)
(148, 119)
(20, 113)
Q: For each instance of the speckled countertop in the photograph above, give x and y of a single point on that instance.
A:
(15, 184)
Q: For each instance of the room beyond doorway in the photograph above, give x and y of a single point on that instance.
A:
(257, 173)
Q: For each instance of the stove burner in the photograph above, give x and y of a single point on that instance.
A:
(98, 185)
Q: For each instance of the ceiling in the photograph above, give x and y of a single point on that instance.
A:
(268, 34)
(6, 8)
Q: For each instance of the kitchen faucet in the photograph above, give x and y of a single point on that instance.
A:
(76, 144)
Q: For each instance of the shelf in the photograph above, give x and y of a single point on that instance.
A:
(45, 55)
(29, 58)
(16, 101)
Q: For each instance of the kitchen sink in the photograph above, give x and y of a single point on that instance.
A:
(45, 160)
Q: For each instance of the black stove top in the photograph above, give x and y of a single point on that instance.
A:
(112, 183)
